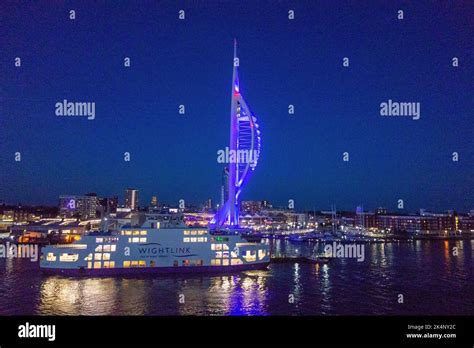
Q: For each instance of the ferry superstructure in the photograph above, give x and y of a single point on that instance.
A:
(156, 247)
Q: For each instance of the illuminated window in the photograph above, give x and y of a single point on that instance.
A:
(88, 257)
(126, 264)
(89, 265)
(233, 254)
(225, 247)
(186, 233)
(225, 254)
(186, 239)
(135, 240)
(106, 256)
(225, 262)
(216, 246)
(128, 233)
(51, 257)
(68, 257)
(113, 248)
(97, 256)
(106, 248)
(250, 255)
(142, 263)
(185, 262)
(143, 233)
(98, 248)
(136, 233)
(201, 239)
(236, 262)
(261, 254)
(193, 233)
(219, 254)
(215, 262)
(109, 264)
(97, 264)
(202, 232)
(193, 239)
(99, 240)
(134, 263)
(143, 240)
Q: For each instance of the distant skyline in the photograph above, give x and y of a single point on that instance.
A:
(282, 62)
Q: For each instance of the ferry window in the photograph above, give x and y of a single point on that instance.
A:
(185, 262)
(193, 233)
(250, 256)
(51, 257)
(88, 258)
(106, 264)
(113, 247)
(99, 240)
(134, 263)
(106, 256)
(186, 239)
(233, 254)
(98, 248)
(236, 262)
(128, 233)
(136, 233)
(186, 233)
(205, 239)
(97, 265)
(225, 254)
(225, 262)
(193, 239)
(202, 232)
(142, 263)
(68, 257)
(112, 264)
(135, 239)
(106, 248)
(225, 247)
(218, 253)
(89, 265)
(143, 240)
(143, 233)
(97, 256)
(200, 239)
(261, 254)
(126, 264)
(215, 262)
(175, 263)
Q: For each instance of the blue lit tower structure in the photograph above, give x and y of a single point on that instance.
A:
(244, 138)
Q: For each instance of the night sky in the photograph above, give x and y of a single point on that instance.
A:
(282, 62)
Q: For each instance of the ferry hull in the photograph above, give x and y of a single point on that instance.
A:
(104, 272)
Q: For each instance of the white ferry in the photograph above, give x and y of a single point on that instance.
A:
(155, 247)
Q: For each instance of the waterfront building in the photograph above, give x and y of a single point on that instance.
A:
(131, 199)
(82, 207)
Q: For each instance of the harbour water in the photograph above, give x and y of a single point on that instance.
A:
(431, 279)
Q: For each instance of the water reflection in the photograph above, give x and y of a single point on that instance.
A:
(425, 271)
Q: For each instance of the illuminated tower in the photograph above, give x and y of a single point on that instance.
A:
(244, 149)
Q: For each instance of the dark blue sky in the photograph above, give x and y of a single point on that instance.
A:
(283, 62)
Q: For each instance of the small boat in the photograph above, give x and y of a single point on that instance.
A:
(317, 259)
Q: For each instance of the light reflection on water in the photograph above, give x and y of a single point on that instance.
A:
(432, 280)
